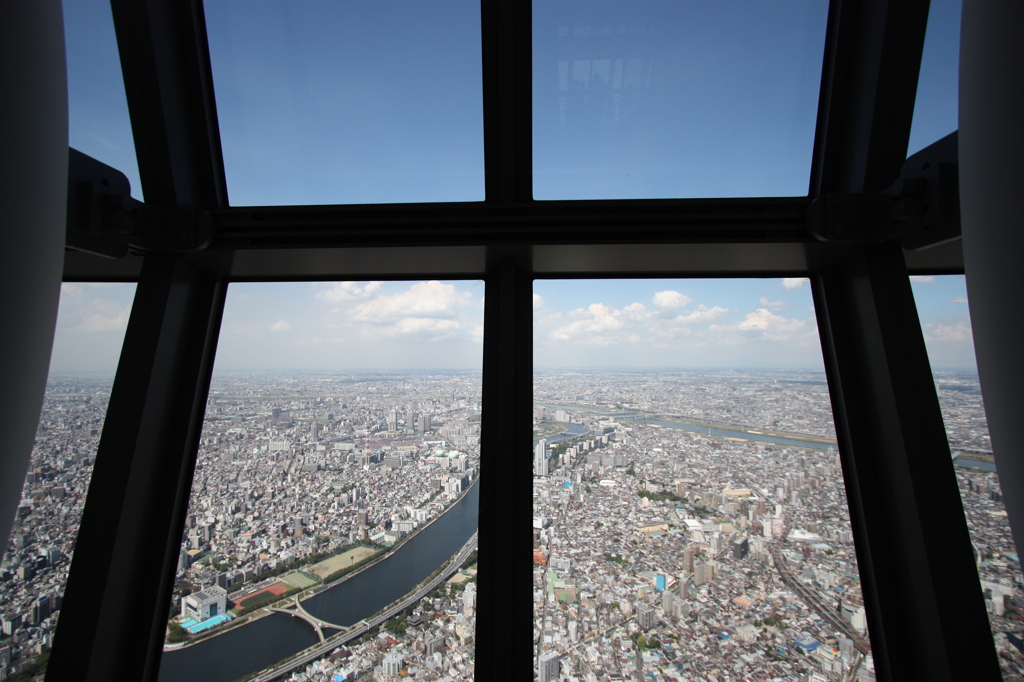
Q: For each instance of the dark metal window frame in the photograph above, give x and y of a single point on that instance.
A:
(925, 609)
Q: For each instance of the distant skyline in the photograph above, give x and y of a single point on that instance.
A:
(578, 324)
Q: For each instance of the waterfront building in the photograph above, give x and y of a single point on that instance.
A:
(207, 603)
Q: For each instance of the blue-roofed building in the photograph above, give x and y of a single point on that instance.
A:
(806, 644)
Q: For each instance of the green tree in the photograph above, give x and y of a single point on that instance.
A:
(176, 633)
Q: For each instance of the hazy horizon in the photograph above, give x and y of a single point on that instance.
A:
(579, 325)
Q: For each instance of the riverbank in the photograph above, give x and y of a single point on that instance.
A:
(309, 593)
(742, 430)
(642, 417)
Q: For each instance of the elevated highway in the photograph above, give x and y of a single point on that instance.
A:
(362, 627)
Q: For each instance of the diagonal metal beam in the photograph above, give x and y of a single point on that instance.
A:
(868, 87)
(114, 618)
(169, 85)
(913, 547)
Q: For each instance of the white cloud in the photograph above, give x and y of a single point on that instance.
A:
(922, 279)
(423, 299)
(427, 310)
(602, 325)
(70, 290)
(790, 283)
(948, 333)
(348, 291)
(766, 324)
(538, 301)
(958, 299)
(776, 305)
(702, 314)
(593, 320)
(280, 326)
(426, 326)
(670, 300)
(109, 316)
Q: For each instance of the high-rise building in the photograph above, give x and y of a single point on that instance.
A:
(393, 663)
(645, 616)
(684, 585)
(688, 559)
(700, 573)
(540, 458)
(434, 644)
(547, 668)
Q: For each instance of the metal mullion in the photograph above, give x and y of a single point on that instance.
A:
(913, 546)
(505, 615)
(506, 30)
(113, 620)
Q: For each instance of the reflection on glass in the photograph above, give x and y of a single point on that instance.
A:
(339, 103)
(935, 108)
(690, 512)
(653, 99)
(942, 307)
(336, 482)
(97, 108)
(35, 566)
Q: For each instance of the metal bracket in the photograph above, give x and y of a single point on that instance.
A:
(921, 209)
(103, 218)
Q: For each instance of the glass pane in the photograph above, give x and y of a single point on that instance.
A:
(690, 511)
(337, 467)
(655, 99)
(90, 330)
(935, 109)
(97, 109)
(942, 307)
(348, 102)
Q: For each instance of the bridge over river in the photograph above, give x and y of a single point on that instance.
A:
(297, 611)
(363, 626)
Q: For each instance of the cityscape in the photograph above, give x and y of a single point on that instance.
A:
(687, 526)
(700, 530)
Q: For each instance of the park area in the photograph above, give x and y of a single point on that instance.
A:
(340, 561)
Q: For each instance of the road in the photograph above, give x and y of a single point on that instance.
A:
(364, 626)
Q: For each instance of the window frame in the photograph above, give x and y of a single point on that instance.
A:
(133, 520)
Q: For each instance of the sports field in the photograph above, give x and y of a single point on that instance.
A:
(277, 588)
(297, 579)
(340, 561)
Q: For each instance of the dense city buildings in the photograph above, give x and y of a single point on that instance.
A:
(688, 526)
(698, 530)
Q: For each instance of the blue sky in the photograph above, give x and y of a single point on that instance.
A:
(696, 323)
(323, 102)
(328, 102)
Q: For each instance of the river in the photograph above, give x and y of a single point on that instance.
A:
(696, 428)
(259, 644)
